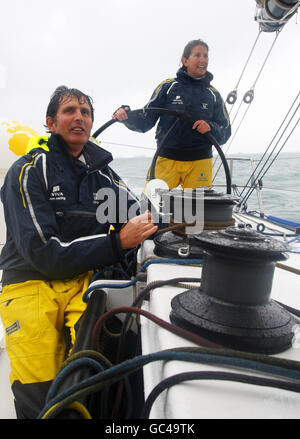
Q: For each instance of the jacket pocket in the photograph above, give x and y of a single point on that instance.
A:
(20, 313)
(76, 223)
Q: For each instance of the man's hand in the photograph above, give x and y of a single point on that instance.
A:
(121, 114)
(201, 126)
(137, 230)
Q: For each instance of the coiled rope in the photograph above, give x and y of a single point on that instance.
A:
(259, 363)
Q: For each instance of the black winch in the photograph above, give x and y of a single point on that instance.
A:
(217, 205)
(233, 305)
(218, 209)
(172, 245)
(217, 214)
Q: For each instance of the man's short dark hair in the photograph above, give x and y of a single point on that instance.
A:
(63, 91)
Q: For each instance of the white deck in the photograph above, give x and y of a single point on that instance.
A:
(197, 399)
(210, 399)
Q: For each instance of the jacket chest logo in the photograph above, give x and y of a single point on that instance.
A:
(56, 194)
(95, 198)
(204, 106)
(177, 100)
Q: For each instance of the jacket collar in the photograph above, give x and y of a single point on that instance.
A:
(95, 156)
(205, 80)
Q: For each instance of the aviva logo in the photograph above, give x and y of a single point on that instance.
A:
(18, 136)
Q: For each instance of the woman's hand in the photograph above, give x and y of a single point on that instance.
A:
(201, 126)
(137, 230)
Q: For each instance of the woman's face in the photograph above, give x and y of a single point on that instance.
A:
(196, 64)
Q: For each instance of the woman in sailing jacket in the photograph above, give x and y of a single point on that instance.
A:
(61, 205)
(184, 157)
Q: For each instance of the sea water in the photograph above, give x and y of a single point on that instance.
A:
(280, 186)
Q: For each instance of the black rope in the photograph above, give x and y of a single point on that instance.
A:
(221, 376)
(139, 299)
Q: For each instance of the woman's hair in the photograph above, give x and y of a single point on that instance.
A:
(63, 91)
(189, 47)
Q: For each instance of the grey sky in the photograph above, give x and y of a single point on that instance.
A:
(118, 51)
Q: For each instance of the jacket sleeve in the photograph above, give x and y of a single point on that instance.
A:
(127, 204)
(220, 123)
(31, 223)
(144, 121)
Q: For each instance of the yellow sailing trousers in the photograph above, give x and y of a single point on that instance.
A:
(189, 175)
(34, 315)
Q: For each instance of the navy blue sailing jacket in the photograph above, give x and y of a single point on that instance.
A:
(175, 137)
(55, 229)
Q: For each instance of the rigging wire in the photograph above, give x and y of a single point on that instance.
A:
(253, 187)
(264, 63)
(260, 175)
(247, 99)
(231, 98)
(255, 180)
(274, 137)
(249, 95)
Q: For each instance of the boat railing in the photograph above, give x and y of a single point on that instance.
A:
(253, 180)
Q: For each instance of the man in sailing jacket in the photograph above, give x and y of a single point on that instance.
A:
(184, 157)
(67, 213)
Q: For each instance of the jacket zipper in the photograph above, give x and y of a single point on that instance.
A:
(75, 213)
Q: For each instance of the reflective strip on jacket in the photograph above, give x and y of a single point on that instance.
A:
(51, 201)
(175, 137)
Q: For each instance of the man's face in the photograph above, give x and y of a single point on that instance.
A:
(73, 122)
